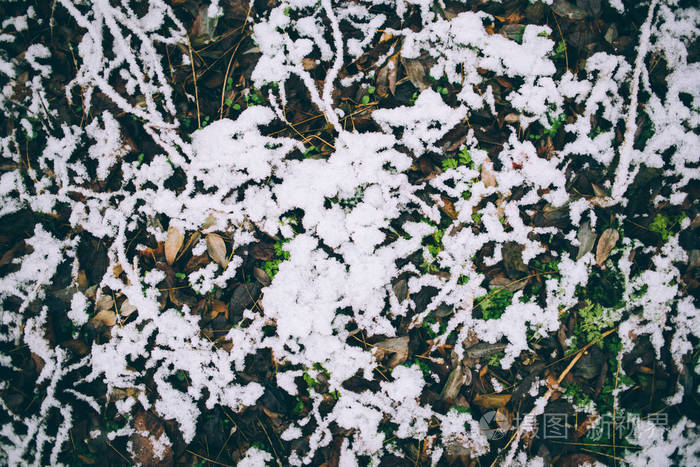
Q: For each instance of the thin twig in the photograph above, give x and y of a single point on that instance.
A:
(194, 80)
(230, 60)
(207, 459)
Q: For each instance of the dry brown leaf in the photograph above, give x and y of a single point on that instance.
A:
(492, 401)
(126, 309)
(262, 251)
(308, 63)
(599, 192)
(216, 308)
(511, 118)
(105, 302)
(504, 418)
(38, 362)
(487, 175)
(606, 243)
(393, 66)
(262, 277)
(217, 249)
(448, 208)
(397, 346)
(416, 73)
(173, 243)
(107, 318)
(586, 238)
(454, 383)
(143, 448)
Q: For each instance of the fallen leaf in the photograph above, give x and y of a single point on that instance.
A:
(454, 383)
(568, 10)
(491, 401)
(448, 208)
(173, 243)
(487, 175)
(393, 64)
(38, 362)
(400, 289)
(484, 349)
(262, 277)
(262, 251)
(107, 318)
(500, 281)
(104, 302)
(586, 237)
(216, 307)
(397, 346)
(146, 450)
(416, 73)
(308, 63)
(606, 243)
(217, 249)
(126, 309)
(598, 191)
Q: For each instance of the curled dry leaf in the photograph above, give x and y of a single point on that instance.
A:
(217, 249)
(606, 243)
(173, 243)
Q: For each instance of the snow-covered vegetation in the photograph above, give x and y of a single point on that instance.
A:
(370, 261)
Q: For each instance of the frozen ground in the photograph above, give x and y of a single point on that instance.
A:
(515, 237)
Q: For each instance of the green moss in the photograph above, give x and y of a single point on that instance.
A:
(493, 305)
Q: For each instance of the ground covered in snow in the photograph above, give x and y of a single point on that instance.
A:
(391, 232)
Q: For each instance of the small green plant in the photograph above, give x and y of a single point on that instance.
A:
(465, 158)
(298, 406)
(495, 359)
(450, 163)
(593, 320)
(461, 409)
(577, 394)
(310, 151)
(554, 124)
(663, 225)
(559, 51)
(310, 381)
(494, 305)
(272, 266)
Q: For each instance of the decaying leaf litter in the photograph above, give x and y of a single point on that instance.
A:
(308, 233)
